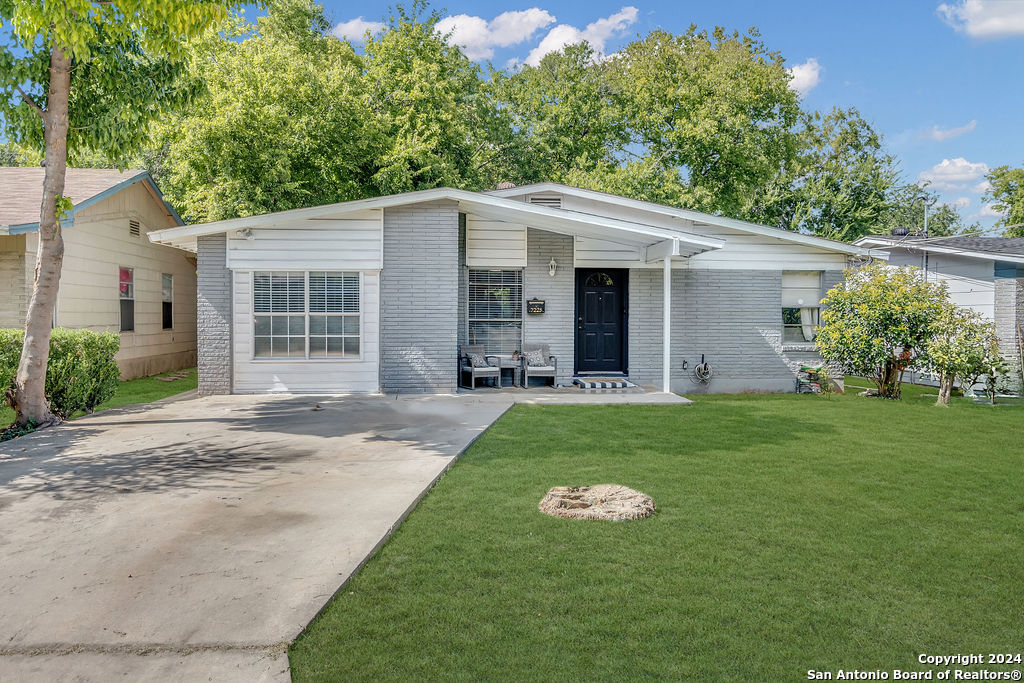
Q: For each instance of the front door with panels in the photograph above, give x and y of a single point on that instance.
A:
(601, 320)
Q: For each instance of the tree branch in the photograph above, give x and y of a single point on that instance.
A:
(30, 101)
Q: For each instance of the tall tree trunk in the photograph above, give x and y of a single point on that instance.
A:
(30, 384)
(945, 389)
(889, 387)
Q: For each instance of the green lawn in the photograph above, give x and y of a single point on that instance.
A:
(141, 390)
(792, 533)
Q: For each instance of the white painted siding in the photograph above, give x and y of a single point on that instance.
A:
(493, 244)
(592, 253)
(326, 376)
(353, 242)
(971, 281)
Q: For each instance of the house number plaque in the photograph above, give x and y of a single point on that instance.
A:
(535, 306)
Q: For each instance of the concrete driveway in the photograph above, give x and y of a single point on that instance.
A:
(193, 540)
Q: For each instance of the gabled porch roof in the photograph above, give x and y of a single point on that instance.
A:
(659, 242)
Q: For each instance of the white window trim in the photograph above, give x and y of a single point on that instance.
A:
(162, 302)
(299, 361)
(132, 298)
(522, 304)
(800, 345)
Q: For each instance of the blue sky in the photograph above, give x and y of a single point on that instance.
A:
(939, 79)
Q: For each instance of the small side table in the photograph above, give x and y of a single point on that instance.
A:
(515, 366)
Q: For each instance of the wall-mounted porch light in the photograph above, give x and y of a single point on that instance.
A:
(552, 266)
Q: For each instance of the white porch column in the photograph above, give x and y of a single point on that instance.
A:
(666, 341)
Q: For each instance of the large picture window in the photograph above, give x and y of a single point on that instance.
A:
(306, 315)
(496, 310)
(801, 297)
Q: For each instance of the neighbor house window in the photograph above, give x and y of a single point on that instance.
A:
(801, 297)
(306, 315)
(126, 293)
(167, 300)
(496, 309)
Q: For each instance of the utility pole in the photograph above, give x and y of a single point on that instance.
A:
(924, 254)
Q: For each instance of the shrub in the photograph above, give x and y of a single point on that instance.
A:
(877, 323)
(81, 373)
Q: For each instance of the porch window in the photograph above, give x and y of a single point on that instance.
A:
(496, 309)
(801, 296)
(306, 315)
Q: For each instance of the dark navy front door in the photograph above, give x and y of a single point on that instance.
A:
(601, 320)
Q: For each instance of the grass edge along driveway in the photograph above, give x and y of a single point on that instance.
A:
(793, 533)
(133, 391)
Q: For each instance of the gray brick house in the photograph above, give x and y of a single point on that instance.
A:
(376, 295)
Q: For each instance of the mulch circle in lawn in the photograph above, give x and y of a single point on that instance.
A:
(602, 501)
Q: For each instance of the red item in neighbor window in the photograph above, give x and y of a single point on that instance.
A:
(126, 275)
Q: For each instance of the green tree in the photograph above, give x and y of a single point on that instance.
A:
(439, 125)
(1006, 193)
(960, 349)
(714, 109)
(838, 186)
(83, 76)
(565, 114)
(906, 210)
(284, 122)
(878, 323)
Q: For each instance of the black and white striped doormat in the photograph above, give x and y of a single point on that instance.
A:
(601, 383)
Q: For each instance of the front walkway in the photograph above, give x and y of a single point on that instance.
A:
(194, 540)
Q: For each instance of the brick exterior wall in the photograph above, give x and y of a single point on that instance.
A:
(13, 282)
(420, 298)
(1009, 312)
(733, 317)
(213, 312)
(556, 326)
(463, 326)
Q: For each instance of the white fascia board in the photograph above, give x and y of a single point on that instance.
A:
(687, 214)
(499, 208)
(885, 244)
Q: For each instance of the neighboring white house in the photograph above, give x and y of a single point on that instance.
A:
(985, 274)
(113, 278)
(378, 294)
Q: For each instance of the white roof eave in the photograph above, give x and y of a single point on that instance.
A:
(556, 220)
(686, 214)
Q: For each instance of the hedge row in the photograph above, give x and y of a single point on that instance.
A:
(81, 373)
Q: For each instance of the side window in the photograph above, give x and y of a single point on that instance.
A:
(801, 306)
(167, 300)
(126, 294)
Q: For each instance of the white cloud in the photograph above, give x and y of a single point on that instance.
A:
(982, 187)
(959, 202)
(355, 29)
(953, 174)
(805, 76)
(596, 34)
(984, 18)
(478, 37)
(940, 134)
(986, 212)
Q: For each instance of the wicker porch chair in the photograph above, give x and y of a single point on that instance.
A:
(492, 371)
(550, 369)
